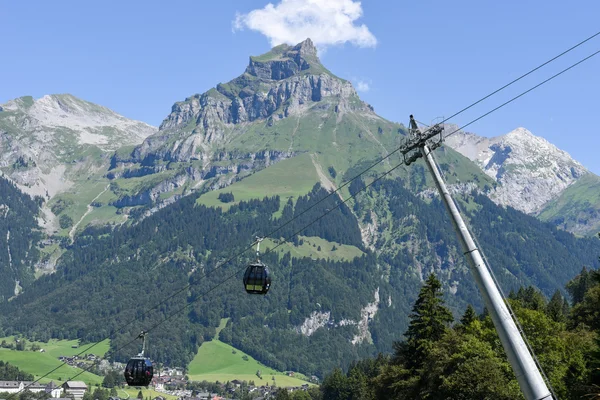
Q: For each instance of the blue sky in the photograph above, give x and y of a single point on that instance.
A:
(429, 58)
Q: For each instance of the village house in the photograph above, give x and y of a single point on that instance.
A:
(75, 388)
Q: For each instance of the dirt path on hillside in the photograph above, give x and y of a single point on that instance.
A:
(89, 210)
(325, 182)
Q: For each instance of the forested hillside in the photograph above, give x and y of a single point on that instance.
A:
(316, 315)
(19, 238)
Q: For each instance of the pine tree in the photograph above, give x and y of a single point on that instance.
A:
(359, 385)
(469, 316)
(282, 394)
(428, 323)
(335, 386)
(579, 285)
(566, 307)
(530, 298)
(555, 308)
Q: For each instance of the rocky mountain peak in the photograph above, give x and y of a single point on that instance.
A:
(306, 48)
(287, 80)
(284, 61)
(520, 133)
(42, 140)
(531, 171)
(67, 111)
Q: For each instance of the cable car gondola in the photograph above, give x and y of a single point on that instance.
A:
(139, 369)
(257, 279)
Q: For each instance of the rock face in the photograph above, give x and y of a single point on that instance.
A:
(42, 140)
(318, 319)
(276, 85)
(213, 139)
(285, 103)
(90, 123)
(530, 171)
(58, 143)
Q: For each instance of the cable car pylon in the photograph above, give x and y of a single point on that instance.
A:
(528, 374)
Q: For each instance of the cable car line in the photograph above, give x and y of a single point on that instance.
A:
(339, 204)
(237, 271)
(524, 93)
(522, 76)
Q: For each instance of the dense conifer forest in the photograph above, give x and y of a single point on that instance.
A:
(19, 238)
(113, 281)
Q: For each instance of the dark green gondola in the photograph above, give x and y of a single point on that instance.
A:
(139, 370)
(257, 279)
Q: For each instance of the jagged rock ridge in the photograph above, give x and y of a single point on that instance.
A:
(276, 85)
(530, 170)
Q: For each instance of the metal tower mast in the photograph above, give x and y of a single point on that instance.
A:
(528, 375)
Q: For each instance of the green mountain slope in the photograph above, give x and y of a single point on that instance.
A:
(577, 209)
(285, 105)
(319, 313)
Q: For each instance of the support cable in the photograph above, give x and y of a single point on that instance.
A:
(524, 93)
(146, 331)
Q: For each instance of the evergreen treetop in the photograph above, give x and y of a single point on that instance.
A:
(429, 321)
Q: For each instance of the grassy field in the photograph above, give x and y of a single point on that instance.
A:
(103, 215)
(310, 248)
(578, 202)
(79, 197)
(39, 364)
(218, 361)
(288, 178)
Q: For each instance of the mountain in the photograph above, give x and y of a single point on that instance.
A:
(286, 105)
(259, 155)
(59, 147)
(535, 177)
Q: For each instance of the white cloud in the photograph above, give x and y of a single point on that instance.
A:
(362, 86)
(326, 22)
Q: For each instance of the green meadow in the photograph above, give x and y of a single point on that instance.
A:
(40, 364)
(314, 247)
(218, 361)
(289, 178)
